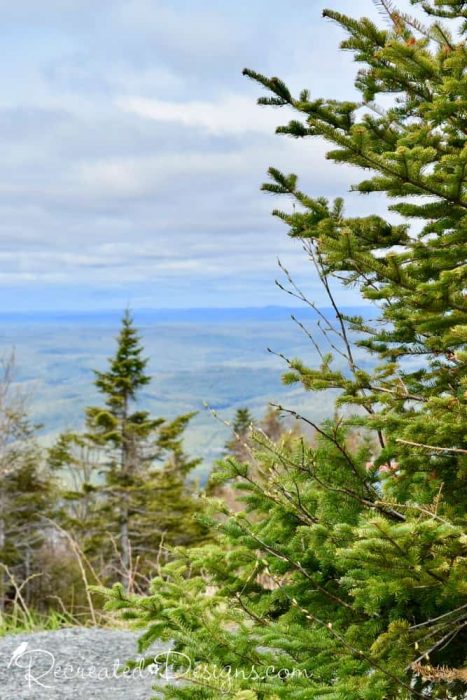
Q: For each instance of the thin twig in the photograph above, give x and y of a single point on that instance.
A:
(432, 447)
(435, 619)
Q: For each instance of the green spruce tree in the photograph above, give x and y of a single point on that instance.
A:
(122, 432)
(131, 494)
(237, 444)
(363, 541)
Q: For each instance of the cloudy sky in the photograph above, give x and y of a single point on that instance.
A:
(133, 150)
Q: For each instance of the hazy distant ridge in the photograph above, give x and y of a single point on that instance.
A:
(207, 315)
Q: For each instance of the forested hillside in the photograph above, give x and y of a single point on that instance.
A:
(198, 357)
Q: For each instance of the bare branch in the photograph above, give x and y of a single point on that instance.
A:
(434, 448)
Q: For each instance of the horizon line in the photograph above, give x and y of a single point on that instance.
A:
(167, 309)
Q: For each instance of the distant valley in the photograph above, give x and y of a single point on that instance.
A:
(217, 357)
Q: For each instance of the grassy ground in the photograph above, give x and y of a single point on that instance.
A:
(17, 621)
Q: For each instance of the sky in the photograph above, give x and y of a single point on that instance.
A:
(133, 149)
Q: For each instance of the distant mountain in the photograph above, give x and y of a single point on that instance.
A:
(195, 315)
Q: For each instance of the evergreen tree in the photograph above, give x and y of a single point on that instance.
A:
(122, 432)
(131, 494)
(271, 424)
(26, 494)
(364, 542)
(242, 423)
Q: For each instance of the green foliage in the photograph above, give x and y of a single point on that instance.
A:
(18, 621)
(415, 274)
(343, 576)
(27, 493)
(238, 442)
(129, 499)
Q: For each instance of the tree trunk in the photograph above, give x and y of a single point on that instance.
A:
(2, 572)
(124, 544)
(124, 510)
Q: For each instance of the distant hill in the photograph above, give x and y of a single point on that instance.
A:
(217, 357)
(143, 316)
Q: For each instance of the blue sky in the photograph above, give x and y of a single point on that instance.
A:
(133, 150)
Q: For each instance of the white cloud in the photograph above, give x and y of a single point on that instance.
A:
(133, 149)
(232, 114)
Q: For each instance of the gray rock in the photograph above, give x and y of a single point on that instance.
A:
(77, 664)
